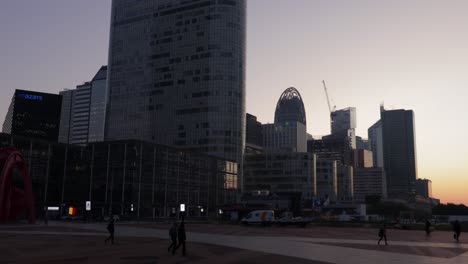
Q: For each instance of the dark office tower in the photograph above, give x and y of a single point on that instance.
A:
(343, 125)
(84, 111)
(253, 131)
(290, 108)
(33, 114)
(177, 74)
(376, 144)
(399, 151)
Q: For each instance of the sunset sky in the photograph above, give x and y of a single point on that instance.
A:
(406, 54)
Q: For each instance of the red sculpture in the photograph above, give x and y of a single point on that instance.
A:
(13, 200)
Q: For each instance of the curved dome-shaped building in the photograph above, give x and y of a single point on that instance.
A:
(290, 107)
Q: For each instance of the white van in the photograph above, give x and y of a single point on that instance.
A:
(264, 217)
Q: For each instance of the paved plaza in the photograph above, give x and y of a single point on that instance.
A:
(62, 242)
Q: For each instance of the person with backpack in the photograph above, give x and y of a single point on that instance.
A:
(110, 229)
(173, 236)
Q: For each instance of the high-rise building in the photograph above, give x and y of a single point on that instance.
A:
(345, 180)
(399, 151)
(290, 108)
(33, 114)
(177, 74)
(65, 115)
(424, 188)
(327, 180)
(254, 137)
(362, 143)
(363, 158)
(376, 144)
(343, 124)
(332, 148)
(83, 114)
(287, 137)
(289, 132)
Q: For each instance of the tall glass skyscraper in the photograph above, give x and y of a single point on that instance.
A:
(399, 151)
(176, 74)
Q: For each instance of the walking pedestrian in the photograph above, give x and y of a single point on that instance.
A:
(182, 237)
(427, 228)
(383, 234)
(110, 228)
(173, 236)
(456, 230)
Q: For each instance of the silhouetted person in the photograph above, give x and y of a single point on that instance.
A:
(427, 227)
(181, 236)
(110, 228)
(456, 230)
(173, 236)
(383, 234)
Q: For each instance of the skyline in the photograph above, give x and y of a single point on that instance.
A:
(353, 46)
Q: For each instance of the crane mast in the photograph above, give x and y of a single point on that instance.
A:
(328, 98)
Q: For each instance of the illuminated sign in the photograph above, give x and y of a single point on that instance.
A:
(31, 97)
(72, 211)
(52, 208)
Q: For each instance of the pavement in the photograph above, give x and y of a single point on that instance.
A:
(147, 243)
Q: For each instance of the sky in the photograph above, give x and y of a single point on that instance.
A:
(405, 54)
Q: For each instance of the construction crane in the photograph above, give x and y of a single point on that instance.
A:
(328, 98)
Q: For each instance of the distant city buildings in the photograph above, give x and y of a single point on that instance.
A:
(376, 144)
(333, 148)
(363, 158)
(289, 132)
(424, 188)
(399, 151)
(83, 111)
(165, 124)
(343, 125)
(345, 180)
(283, 166)
(290, 136)
(285, 173)
(177, 75)
(33, 114)
(254, 135)
(290, 108)
(369, 184)
(362, 143)
(327, 180)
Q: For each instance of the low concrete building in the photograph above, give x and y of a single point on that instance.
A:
(132, 178)
(290, 174)
(424, 188)
(369, 182)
